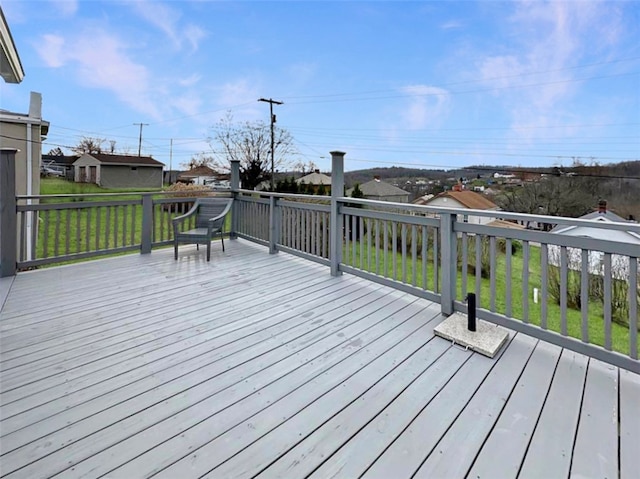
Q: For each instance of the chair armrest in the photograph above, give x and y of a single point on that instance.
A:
(220, 216)
(183, 217)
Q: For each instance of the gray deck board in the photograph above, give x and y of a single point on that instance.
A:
(595, 452)
(258, 364)
(551, 447)
(503, 452)
(629, 424)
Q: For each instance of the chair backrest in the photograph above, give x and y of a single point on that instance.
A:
(210, 208)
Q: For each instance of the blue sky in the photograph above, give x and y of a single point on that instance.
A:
(430, 84)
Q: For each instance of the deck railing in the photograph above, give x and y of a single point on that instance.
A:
(81, 226)
(577, 292)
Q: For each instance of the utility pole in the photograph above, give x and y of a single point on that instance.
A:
(170, 159)
(271, 102)
(140, 139)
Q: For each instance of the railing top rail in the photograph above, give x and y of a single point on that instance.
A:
(558, 220)
(284, 195)
(193, 194)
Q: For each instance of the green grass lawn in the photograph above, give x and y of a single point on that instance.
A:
(504, 283)
(82, 227)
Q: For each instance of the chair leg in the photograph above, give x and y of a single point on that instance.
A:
(222, 239)
(208, 250)
(175, 250)
(197, 246)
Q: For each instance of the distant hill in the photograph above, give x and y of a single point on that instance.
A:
(628, 169)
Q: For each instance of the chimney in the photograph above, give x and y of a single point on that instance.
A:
(376, 177)
(457, 187)
(35, 105)
(602, 206)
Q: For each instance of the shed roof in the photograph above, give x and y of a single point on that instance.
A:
(125, 159)
(198, 171)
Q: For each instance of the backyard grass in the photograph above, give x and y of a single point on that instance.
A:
(504, 283)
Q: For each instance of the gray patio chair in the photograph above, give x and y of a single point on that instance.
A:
(209, 216)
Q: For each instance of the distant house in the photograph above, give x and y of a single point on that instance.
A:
(200, 175)
(377, 189)
(62, 163)
(422, 200)
(118, 171)
(619, 264)
(465, 199)
(316, 179)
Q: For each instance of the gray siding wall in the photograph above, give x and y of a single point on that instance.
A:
(130, 177)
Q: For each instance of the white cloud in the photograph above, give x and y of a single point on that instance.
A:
(51, 50)
(191, 80)
(100, 60)
(551, 38)
(66, 8)
(451, 24)
(426, 106)
(167, 20)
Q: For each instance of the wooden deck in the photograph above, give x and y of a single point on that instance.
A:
(265, 365)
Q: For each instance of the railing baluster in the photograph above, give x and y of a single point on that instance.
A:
(90, 233)
(584, 294)
(544, 264)
(377, 222)
(385, 241)
(134, 210)
(56, 244)
(78, 212)
(607, 301)
(404, 251)
(633, 307)
(369, 246)
(98, 221)
(115, 226)
(509, 278)
(67, 233)
(45, 242)
(125, 209)
(425, 256)
(347, 237)
(563, 289)
(394, 256)
(107, 230)
(492, 272)
(525, 281)
(361, 240)
(478, 270)
(436, 260)
(414, 254)
(465, 265)
(354, 239)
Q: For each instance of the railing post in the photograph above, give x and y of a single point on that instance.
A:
(335, 227)
(147, 223)
(273, 225)
(449, 260)
(235, 186)
(8, 213)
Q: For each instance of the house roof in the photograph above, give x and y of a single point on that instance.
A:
(607, 216)
(422, 200)
(315, 178)
(60, 159)
(380, 188)
(10, 66)
(198, 171)
(468, 199)
(110, 159)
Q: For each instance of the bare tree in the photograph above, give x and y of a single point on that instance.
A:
(201, 159)
(250, 144)
(89, 145)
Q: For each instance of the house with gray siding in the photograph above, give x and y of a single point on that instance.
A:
(118, 171)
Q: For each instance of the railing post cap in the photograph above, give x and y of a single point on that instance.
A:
(337, 153)
(235, 160)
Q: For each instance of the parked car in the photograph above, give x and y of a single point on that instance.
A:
(51, 171)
